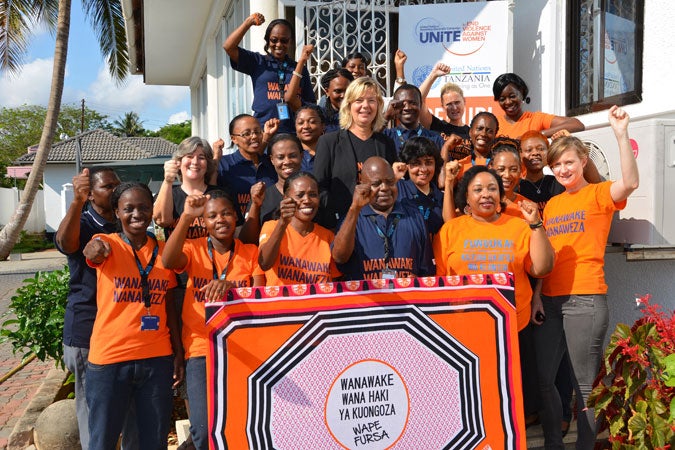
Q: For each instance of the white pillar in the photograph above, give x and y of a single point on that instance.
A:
(67, 196)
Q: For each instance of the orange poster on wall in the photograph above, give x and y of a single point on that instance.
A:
(427, 363)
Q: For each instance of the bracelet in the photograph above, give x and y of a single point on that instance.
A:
(534, 226)
(297, 74)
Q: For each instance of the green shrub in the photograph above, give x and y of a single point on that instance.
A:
(32, 242)
(634, 393)
(38, 306)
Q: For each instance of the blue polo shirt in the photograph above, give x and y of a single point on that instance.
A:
(264, 71)
(307, 164)
(430, 206)
(81, 307)
(401, 134)
(332, 117)
(238, 174)
(410, 248)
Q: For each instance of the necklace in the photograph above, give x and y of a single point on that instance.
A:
(537, 186)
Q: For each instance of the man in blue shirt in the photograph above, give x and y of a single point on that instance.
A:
(405, 108)
(90, 213)
(381, 237)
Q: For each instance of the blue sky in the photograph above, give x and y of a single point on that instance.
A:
(87, 77)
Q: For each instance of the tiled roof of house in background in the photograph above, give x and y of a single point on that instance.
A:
(100, 146)
(157, 146)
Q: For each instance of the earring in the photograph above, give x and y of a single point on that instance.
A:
(467, 210)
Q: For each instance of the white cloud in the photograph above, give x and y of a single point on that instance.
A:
(156, 105)
(179, 117)
(30, 87)
(133, 94)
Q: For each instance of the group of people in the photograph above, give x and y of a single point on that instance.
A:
(314, 193)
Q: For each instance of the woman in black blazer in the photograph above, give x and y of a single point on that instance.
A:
(340, 154)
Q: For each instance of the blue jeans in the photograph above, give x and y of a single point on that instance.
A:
(195, 377)
(576, 324)
(75, 360)
(113, 388)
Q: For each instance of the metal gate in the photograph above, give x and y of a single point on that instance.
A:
(339, 27)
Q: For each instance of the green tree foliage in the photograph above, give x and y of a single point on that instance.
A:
(173, 132)
(128, 125)
(17, 20)
(21, 128)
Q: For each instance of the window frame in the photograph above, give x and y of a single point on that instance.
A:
(574, 50)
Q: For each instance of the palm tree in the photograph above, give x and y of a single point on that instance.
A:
(128, 125)
(17, 17)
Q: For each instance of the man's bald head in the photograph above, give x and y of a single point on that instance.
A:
(377, 173)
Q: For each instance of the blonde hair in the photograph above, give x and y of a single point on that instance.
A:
(451, 87)
(561, 145)
(357, 89)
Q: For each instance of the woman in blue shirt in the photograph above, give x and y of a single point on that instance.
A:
(270, 73)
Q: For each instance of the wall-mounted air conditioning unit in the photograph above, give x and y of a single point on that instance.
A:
(649, 217)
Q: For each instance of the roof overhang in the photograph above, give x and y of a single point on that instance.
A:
(164, 37)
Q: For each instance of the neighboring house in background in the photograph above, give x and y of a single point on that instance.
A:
(134, 159)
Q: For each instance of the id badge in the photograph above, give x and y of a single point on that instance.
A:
(282, 109)
(388, 274)
(149, 323)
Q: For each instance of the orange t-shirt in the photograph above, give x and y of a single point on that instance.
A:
(302, 259)
(512, 208)
(577, 224)
(467, 163)
(537, 121)
(117, 335)
(467, 246)
(199, 268)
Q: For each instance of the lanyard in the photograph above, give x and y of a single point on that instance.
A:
(144, 272)
(386, 237)
(223, 274)
(281, 71)
(425, 212)
(401, 141)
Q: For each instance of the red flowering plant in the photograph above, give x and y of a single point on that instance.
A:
(633, 395)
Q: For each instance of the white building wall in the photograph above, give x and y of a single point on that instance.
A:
(55, 176)
(9, 200)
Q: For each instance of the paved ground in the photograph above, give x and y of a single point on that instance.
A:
(17, 391)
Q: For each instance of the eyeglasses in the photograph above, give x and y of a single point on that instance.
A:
(275, 40)
(248, 133)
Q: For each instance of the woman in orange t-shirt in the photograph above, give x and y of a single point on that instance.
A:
(574, 295)
(507, 243)
(213, 264)
(506, 162)
(294, 249)
(485, 240)
(511, 91)
(135, 334)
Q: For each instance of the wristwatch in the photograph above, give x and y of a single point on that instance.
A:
(400, 80)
